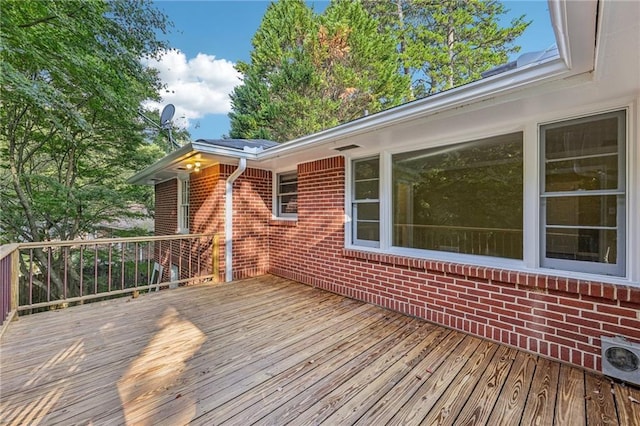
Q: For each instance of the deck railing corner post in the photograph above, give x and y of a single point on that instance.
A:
(15, 281)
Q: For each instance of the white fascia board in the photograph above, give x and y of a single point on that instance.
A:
(185, 152)
(455, 98)
(178, 155)
(558, 14)
(572, 22)
(220, 151)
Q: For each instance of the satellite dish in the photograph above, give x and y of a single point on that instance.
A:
(167, 114)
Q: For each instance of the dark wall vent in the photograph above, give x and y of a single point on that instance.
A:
(346, 147)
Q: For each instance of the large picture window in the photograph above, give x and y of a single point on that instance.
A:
(465, 198)
(287, 195)
(583, 194)
(366, 202)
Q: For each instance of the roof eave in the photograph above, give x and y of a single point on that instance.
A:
(455, 98)
(576, 39)
(183, 153)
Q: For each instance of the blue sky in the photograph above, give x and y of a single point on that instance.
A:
(209, 37)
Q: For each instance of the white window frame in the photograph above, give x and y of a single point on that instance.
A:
(183, 203)
(618, 269)
(353, 204)
(532, 220)
(277, 196)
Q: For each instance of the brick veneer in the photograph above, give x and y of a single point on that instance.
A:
(252, 211)
(556, 317)
(166, 211)
(251, 214)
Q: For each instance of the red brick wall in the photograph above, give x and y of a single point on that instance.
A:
(166, 215)
(206, 202)
(251, 214)
(556, 317)
(252, 211)
(307, 250)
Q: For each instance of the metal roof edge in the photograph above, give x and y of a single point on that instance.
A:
(168, 159)
(206, 148)
(187, 151)
(476, 91)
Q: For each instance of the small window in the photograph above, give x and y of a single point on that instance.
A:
(287, 194)
(183, 206)
(365, 205)
(582, 195)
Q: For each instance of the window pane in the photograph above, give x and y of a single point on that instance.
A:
(289, 204)
(287, 194)
(592, 245)
(288, 188)
(368, 211)
(465, 198)
(592, 173)
(289, 178)
(366, 169)
(367, 190)
(595, 137)
(369, 231)
(366, 215)
(582, 211)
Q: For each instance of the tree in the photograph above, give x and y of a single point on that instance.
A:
(72, 84)
(310, 72)
(447, 43)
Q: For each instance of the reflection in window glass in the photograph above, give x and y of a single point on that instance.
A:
(183, 205)
(366, 202)
(466, 198)
(583, 194)
(287, 196)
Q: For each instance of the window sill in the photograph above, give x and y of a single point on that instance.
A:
(283, 221)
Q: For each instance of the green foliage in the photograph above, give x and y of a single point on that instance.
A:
(72, 83)
(310, 72)
(447, 43)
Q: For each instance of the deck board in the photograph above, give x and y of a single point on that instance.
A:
(271, 351)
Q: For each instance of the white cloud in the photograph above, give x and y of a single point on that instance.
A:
(197, 86)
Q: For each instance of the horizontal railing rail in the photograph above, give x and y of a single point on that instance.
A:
(49, 275)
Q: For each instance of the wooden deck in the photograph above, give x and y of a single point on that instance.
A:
(270, 351)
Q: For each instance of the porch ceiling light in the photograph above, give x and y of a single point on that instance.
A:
(194, 166)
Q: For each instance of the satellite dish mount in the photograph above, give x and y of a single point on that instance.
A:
(165, 122)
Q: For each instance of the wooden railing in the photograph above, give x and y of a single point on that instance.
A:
(55, 274)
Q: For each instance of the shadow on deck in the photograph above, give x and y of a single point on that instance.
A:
(272, 351)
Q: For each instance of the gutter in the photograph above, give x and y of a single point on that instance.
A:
(552, 68)
(228, 219)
